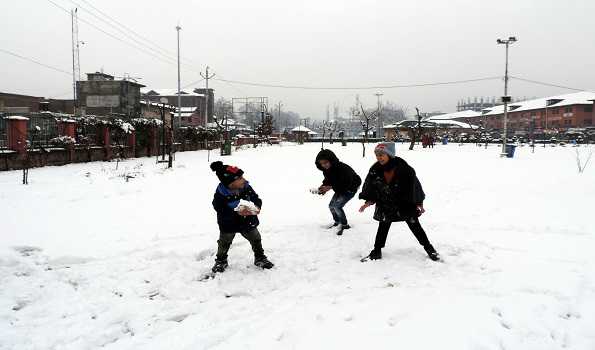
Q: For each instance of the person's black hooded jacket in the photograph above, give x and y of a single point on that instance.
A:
(397, 200)
(340, 176)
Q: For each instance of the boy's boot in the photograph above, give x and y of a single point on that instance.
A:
(432, 253)
(375, 254)
(220, 265)
(260, 259)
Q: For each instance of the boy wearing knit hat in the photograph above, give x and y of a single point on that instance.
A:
(393, 187)
(237, 207)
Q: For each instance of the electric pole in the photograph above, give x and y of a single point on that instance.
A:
(76, 64)
(505, 98)
(279, 105)
(178, 28)
(206, 77)
(379, 126)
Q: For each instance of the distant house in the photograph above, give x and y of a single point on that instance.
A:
(193, 104)
(301, 133)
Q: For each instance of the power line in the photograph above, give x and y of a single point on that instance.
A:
(126, 28)
(279, 86)
(113, 36)
(546, 84)
(123, 32)
(36, 62)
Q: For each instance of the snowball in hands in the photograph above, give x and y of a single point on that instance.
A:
(247, 205)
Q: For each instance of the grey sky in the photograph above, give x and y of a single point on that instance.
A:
(313, 43)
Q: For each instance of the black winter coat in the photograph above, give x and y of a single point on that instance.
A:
(225, 202)
(340, 176)
(395, 201)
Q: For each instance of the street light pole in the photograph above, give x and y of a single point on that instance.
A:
(379, 127)
(178, 28)
(505, 98)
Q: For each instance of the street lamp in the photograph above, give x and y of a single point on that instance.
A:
(505, 98)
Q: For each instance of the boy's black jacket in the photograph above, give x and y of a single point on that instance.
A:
(341, 177)
(224, 202)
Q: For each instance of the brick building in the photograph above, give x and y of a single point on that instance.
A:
(15, 103)
(550, 113)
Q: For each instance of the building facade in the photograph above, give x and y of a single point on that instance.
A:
(16, 103)
(102, 95)
(560, 113)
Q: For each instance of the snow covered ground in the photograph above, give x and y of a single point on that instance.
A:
(89, 259)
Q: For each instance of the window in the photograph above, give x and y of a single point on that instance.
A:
(555, 111)
(568, 110)
(589, 109)
(588, 121)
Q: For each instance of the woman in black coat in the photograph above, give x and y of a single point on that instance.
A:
(393, 187)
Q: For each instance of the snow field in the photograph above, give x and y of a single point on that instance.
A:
(89, 260)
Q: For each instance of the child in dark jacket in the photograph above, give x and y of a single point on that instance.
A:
(393, 187)
(343, 180)
(237, 207)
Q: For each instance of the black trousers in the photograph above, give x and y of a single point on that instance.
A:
(414, 226)
(226, 238)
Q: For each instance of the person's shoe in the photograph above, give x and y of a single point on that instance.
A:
(340, 229)
(432, 253)
(375, 254)
(263, 262)
(220, 266)
(330, 226)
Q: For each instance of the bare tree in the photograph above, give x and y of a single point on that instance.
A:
(416, 131)
(367, 121)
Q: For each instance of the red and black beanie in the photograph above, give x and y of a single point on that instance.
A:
(226, 173)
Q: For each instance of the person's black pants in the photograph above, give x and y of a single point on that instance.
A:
(414, 226)
(225, 240)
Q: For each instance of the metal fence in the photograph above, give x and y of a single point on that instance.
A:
(41, 129)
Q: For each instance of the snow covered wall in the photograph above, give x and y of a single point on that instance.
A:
(91, 257)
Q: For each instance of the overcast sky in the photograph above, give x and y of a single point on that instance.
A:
(311, 43)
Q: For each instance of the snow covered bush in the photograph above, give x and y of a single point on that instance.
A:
(63, 141)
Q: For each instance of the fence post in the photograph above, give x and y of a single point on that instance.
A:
(131, 142)
(152, 141)
(16, 132)
(104, 134)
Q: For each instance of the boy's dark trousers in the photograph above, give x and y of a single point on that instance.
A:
(336, 206)
(225, 240)
(414, 226)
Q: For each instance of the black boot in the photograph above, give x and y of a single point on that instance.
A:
(341, 228)
(432, 253)
(263, 262)
(220, 266)
(375, 254)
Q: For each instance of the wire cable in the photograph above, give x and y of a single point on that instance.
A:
(384, 87)
(545, 84)
(36, 62)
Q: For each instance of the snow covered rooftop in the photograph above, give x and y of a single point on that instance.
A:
(168, 92)
(455, 115)
(577, 98)
(301, 129)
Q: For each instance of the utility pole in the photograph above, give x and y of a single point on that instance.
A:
(505, 98)
(206, 77)
(279, 105)
(379, 125)
(76, 65)
(178, 28)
